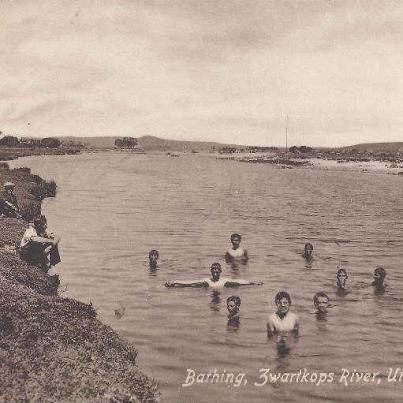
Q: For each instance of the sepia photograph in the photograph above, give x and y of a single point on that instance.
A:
(201, 201)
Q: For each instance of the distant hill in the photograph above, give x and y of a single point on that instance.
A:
(150, 143)
(394, 147)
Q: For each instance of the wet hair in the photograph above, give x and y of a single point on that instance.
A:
(233, 236)
(153, 252)
(234, 298)
(381, 271)
(280, 295)
(308, 246)
(216, 266)
(40, 221)
(342, 271)
(319, 295)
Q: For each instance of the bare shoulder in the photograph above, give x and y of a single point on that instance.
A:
(272, 317)
(293, 316)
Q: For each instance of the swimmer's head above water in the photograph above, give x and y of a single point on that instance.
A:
(308, 251)
(153, 257)
(321, 302)
(233, 304)
(342, 277)
(283, 303)
(379, 276)
(235, 240)
(215, 271)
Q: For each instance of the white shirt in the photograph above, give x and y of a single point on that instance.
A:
(29, 233)
(216, 284)
(283, 325)
(236, 252)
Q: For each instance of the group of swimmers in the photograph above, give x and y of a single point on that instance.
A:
(282, 320)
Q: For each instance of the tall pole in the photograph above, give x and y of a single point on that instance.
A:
(286, 136)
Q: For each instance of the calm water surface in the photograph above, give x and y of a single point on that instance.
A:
(112, 208)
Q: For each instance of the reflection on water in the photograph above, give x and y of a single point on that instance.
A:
(215, 300)
(233, 324)
(283, 349)
(113, 208)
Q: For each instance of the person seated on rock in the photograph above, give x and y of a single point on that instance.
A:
(214, 282)
(308, 252)
(39, 246)
(379, 277)
(8, 201)
(282, 321)
(153, 257)
(321, 304)
(236, 252)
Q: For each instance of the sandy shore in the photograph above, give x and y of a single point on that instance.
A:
(364, 166)
(54, 348)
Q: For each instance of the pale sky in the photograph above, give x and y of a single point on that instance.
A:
(220, 70)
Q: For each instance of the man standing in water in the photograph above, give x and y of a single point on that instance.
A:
(282, 320)
(321, 303)
(214, 281)
(153, 257)
(236, 252)
(341, 277)
(233, 304)
(379, 277)
(308, 252)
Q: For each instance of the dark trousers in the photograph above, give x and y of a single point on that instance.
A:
(34, 253)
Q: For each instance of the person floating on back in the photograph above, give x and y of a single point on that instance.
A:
(282, 320)
(233, 304)
(38, 246)
(321, 304)
(8, 202)
(153, 257)
(214, 281)
(308, 252)
(379, 277)
(236, 252)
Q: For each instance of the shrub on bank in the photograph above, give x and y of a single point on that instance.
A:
(44, 189)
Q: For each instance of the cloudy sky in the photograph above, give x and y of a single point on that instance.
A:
(220, 70)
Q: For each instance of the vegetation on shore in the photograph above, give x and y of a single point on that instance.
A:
(54, 348)
(12, 147)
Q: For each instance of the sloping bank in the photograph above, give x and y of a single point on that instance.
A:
(54, 348)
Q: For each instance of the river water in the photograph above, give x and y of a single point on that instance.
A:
(112, 208)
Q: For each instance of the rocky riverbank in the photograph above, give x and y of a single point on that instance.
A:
(55, 348)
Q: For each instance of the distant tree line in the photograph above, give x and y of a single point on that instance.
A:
(12, 141)
(301, 150)
(126, 142)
